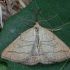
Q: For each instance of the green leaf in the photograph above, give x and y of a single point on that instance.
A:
(3, 66)
(15, 25)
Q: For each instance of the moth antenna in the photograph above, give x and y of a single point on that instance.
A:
(36, 13)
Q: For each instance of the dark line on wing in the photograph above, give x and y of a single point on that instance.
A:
(37, 54)
(50, 45)
(26, 45)
(26, 41)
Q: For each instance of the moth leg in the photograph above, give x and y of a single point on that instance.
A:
(54, 29)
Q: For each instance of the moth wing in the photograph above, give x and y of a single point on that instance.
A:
(20, 49)
(52, 48)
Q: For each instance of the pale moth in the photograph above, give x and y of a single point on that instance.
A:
(37, 45)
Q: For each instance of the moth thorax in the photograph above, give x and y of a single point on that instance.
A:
(37, 29)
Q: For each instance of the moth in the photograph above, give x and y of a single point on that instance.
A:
(37, 45)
